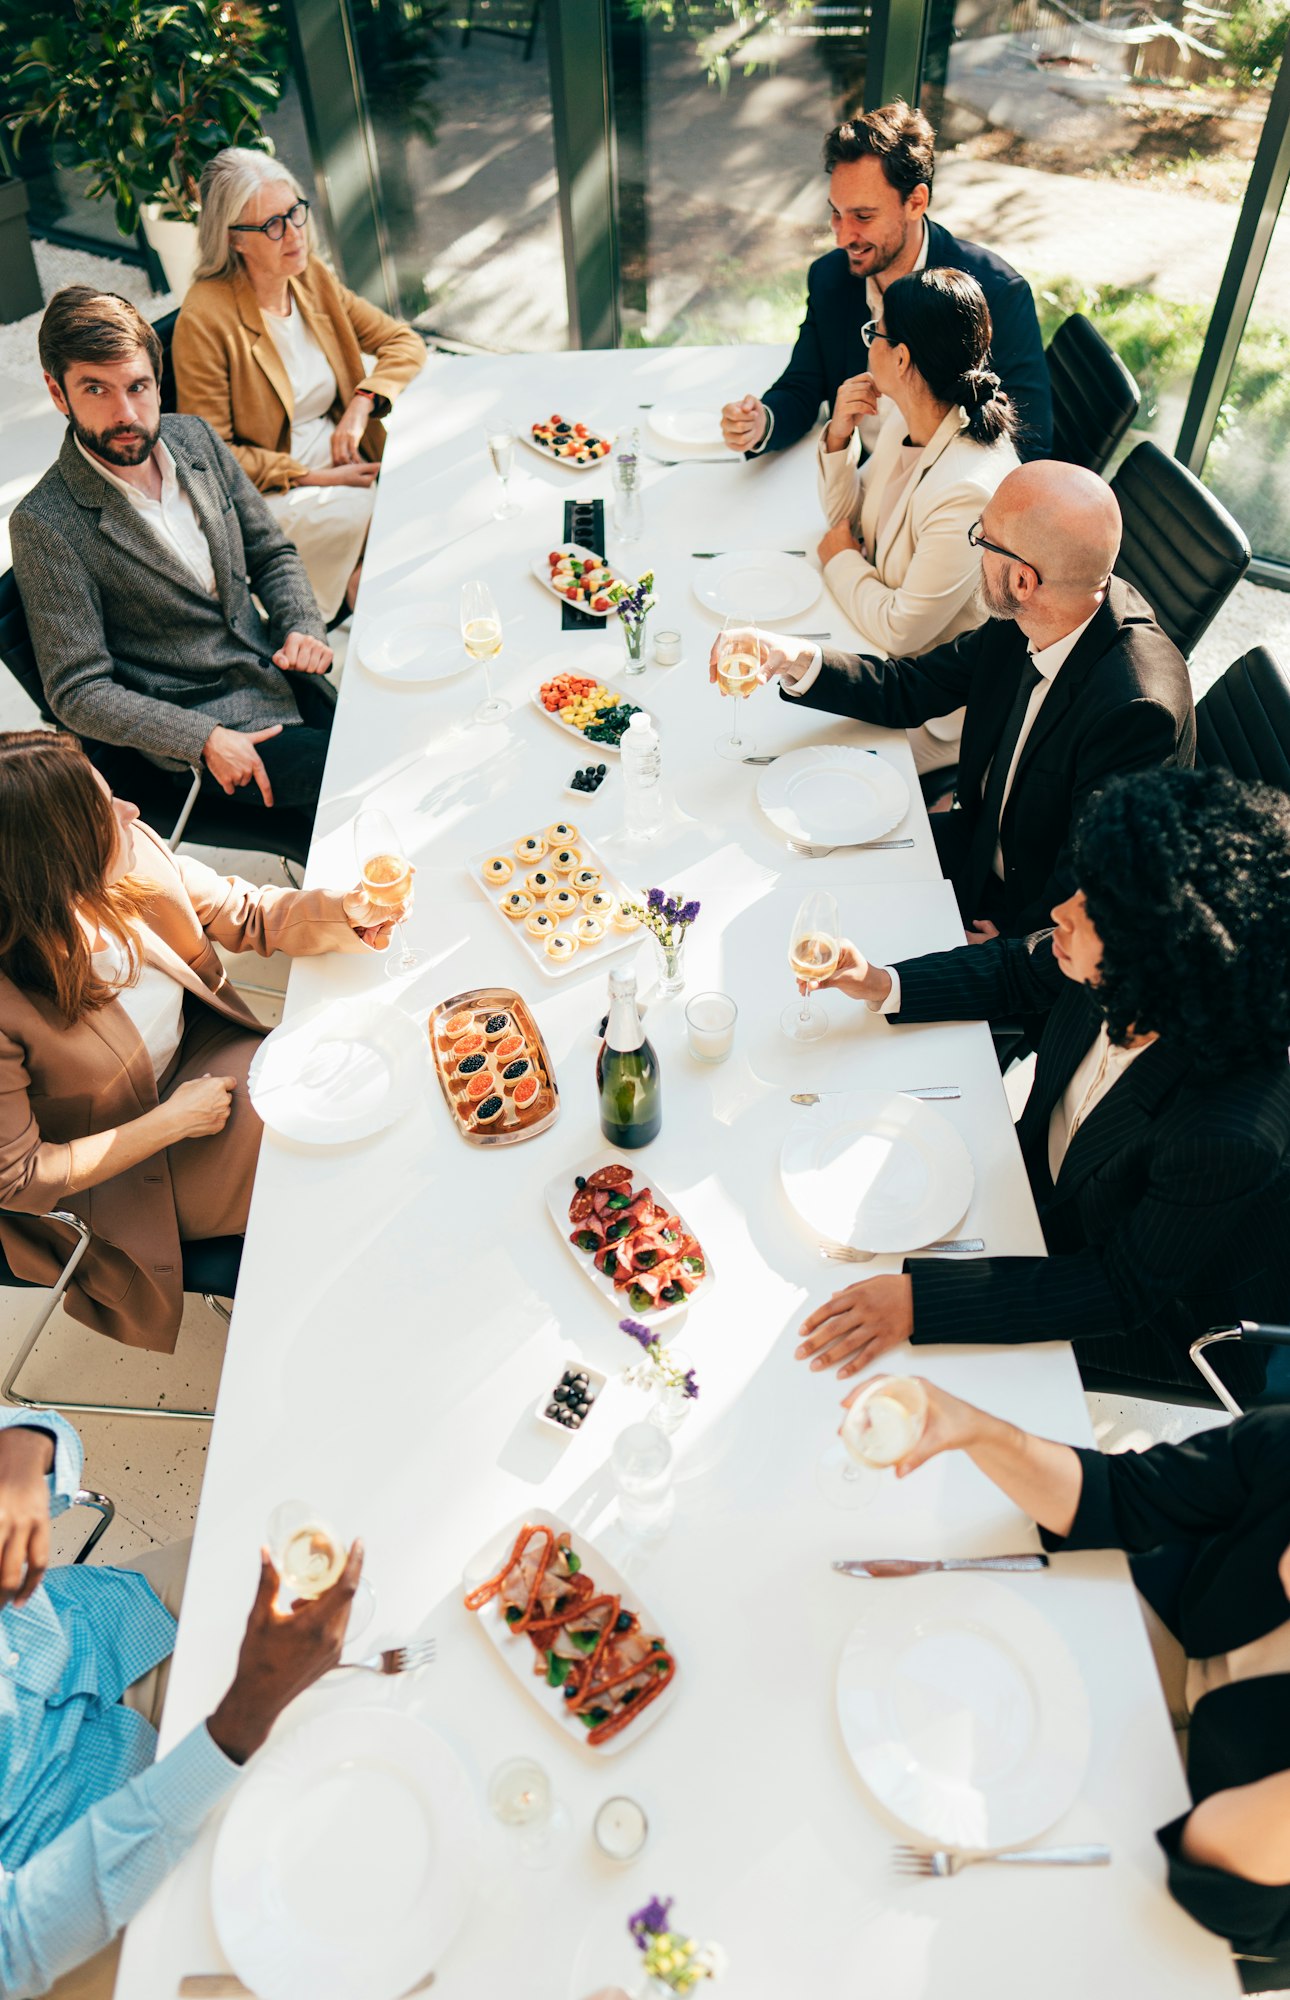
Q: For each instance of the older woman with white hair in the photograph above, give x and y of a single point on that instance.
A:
(269, 348)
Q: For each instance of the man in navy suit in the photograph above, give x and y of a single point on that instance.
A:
(880, 183)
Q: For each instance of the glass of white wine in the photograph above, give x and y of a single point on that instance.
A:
(481, 635)
(521, 1797)
(500, 439)
(385, 877)
(814, 947)
(309, 1556)
(738, 668)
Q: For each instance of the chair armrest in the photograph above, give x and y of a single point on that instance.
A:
(1245, 1329)
(102, 1506)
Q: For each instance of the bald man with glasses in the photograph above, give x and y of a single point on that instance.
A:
(1068, 683)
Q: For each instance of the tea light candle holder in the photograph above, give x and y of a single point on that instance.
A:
(621, 1829)
(667, 649)
(710, 1026)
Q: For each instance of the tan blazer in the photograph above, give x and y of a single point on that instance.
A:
(59, 1083)
(916, 588)
(228, 368)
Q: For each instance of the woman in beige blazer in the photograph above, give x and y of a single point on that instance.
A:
(269, 348)
(123, 1046)
(897, 556)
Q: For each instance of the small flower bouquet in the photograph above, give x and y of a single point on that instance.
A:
(676, 1962)
(658, 1370)
(633, 605)
(667, 919)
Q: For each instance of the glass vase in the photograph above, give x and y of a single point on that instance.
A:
(670, 963)
(671, 1405)
(634, 641)
(651, 1988)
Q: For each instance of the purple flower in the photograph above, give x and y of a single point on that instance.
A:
(655, 899)
(689, 913)
(634, 1328)
(690, 1386)
(670, 910)
(651, 1921)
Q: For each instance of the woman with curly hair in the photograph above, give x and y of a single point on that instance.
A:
(1157, 1132)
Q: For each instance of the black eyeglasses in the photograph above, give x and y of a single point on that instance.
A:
(276, 226)
(978, 541)
(871, 331)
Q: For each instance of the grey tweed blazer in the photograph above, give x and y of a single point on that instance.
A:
(131, 649)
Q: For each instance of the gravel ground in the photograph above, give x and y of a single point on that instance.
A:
(59, 266)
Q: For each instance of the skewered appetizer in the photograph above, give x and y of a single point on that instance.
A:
(570, 441)
(631, 1238)
(583, 580)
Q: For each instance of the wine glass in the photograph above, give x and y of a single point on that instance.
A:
(385, 877)
(520, 1796)
(500, 439)
(481, 633)
(882, 1425)
(738, 666)
(814, 947)
(309, 1556)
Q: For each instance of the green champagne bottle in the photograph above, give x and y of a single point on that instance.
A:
(627, 1071)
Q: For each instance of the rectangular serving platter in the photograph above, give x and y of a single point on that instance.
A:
(594, 954)
(544, 450)
(516, 1650)
(542, 574)
(513, 1125)
(559, 1192)
(595, 752)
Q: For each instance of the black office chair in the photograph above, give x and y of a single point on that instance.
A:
(164, 328)
(1095, 398)
(194, 816)
(1244, 720)
(210, 1267)
(1276, 1386)
(1181, 547)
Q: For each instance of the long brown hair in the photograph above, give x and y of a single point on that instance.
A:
(58, 838)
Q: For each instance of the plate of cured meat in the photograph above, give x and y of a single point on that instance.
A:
(637, 1251)
(572, 1632)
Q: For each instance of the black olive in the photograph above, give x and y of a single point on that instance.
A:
(623, 1622)
(575, 1420)
(552, 1409)
(600, 770)
(561, 1394)
(580, 1180)
(571, 1690)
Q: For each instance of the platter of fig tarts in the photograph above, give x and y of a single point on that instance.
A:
(494, 1071)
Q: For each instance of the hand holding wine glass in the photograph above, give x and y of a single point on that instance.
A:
(481, 635)
(736, 667)
(385, 881)
(814, 949)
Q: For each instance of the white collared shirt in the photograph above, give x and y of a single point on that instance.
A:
(1097, 1075)
(313, 383)
(1048, 661)
(154, 1001)
(172, 519)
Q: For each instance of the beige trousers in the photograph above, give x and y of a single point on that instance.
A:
(166, 1569)
(329, 525)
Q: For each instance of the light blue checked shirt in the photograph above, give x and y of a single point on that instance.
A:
(89, 1825)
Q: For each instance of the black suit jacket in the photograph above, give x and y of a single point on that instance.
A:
(1171, 1212)
(1121, 702)
(1220, 1503)
(829, 349)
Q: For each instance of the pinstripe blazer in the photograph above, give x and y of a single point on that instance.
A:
(1171, 1211)
(130, 648)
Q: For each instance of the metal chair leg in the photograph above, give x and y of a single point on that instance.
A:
(1197, 1352)
(105, 1508)
(289, 871)
(218, 1307)
(177, 830)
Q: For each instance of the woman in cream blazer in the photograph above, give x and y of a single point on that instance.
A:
(897, 556)
(269, 348)
(124, 1047)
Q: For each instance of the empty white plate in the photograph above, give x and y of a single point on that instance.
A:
(761, 586)
(344, 1865)
(833, 795)
(399, 646)
(340, 1072)
(693, 424)
(877, 1170)
(963, 1711)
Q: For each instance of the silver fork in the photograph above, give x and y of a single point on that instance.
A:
(924, 1090)
(915, 1861)
(818, 853)
(956, 1246)
(397, 1659)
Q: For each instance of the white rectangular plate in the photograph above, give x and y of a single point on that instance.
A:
(586, 954)
(525, 436)
(516, 1649)
(541, 569)
(559, 1193)
(596, 752)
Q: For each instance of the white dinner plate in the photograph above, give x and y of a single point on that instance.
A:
(344, 1866)
(877, 1170)
(963, 1711)
(516, 1650)
(833, 795)
(541, 569)
(759, 585)
(693, 425)
(342, 1071)
(559, 1192)
(410, 651)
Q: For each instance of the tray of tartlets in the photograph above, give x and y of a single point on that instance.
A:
(563, 904)
(496, 1076)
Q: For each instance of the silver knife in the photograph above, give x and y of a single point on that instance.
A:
(711, 555)
(922, 1090)
(904, 1566)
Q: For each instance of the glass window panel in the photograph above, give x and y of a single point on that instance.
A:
(462, 121)
(721, 113)
(1248, 462)
(1106, 157)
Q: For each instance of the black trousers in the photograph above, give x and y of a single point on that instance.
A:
(294, 758)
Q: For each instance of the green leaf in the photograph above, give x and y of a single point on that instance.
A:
(574, 1562)
(586, 1642)
(557, 1670)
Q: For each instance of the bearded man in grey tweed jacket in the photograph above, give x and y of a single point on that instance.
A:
(139, 556)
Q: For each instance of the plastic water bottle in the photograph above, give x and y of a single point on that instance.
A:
(629, 507)
(642, 779)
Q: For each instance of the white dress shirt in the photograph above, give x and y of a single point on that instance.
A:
(154, 1002)
(172, 519)
(1097, 1075)
(313, 385)
(1048, 660)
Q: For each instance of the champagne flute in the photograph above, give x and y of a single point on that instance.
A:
(481, 634)
(814, 947)
(521, 1797)
(309, 1556)
(385, 877)
(500, 439)
(738, 666)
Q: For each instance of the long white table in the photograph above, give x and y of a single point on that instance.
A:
(403, 1303)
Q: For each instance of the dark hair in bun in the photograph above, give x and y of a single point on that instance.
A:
(942, 318)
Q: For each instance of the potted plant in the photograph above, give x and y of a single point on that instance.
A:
(20, 291)
(140, 94)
